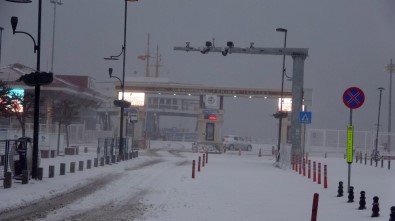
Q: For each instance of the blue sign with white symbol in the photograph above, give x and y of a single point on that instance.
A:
(305, 117)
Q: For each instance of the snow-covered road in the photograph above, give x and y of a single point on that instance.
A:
(157, 186)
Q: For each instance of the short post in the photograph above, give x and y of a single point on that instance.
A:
(375, 208)
(7, 182)
(309, 170)
(351, 195)
(199, 164)
(314, 172)
(95, 162)
(392, 214)
(40, 173)
(88, 164)
(360, 157)
(193, 169)
(102, 161)
(113, 159)
(107, 160)
(362, 201)
(315, 207)
(260, 153)
(340, 189)
(325, 177)
(319, 173)
(72, 167)
(366, 157)
(81, 165)
(382, 163)
(300, 165)
(25, 177)
(204, 159)
(51, 171)
(62, 169)
(389, 163)
(371, 161)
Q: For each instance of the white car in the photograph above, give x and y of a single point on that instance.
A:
(232, 142)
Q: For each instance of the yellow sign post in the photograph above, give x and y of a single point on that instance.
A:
(350, 141)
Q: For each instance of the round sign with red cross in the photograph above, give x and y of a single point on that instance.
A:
(353, 97)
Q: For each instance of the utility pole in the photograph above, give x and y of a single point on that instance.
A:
(1, 32)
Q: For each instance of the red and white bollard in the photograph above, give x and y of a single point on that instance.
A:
(314, 172)
(319, 173)
(309, 170)
(199, 164)
(193, 169)
(325, 177)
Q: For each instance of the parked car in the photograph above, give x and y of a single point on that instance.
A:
(232, 142)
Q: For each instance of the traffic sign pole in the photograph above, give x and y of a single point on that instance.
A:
(353, 98)
(350, 139)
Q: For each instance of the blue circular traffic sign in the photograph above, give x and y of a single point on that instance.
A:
(353, 97)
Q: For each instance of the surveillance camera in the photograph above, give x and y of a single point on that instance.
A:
(208, 44)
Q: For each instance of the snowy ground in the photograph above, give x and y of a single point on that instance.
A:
(158, 186)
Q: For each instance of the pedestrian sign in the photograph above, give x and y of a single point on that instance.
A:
(304, 117)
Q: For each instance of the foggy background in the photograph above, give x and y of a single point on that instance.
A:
(349, 42)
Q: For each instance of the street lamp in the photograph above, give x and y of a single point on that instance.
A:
(59, 2)
(122, 103)
(1, 33)
(378, 125)
(390, 68)
(34, 79)
(281, 114)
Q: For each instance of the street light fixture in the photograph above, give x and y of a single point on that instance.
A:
(281, 114)
(376, 153)
(34, 79)
(122, 103)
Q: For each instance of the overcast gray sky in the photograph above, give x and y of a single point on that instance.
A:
(349, 42)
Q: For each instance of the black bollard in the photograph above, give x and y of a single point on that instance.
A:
(95, 162)
(389, 163)
(51, 171)
(375, 208)
(40, 173)
(382, 162)
(351, 195)
(371, 161)
(392, 215)
(366, 157)
(81, 165)
(62, 169)
(25, 177)
(88, 164)
(72, 167)
(340, 189)
(362, 201)
(7, 182)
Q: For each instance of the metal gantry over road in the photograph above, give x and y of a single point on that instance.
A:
(298, 56)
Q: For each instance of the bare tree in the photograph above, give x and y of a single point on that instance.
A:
(65, 112)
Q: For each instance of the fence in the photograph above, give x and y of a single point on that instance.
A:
(334, 141)
(110, 146)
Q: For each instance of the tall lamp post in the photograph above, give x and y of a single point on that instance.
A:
(1, 33)
(281, 114)
(37, 50)
(390, 68)
(121, 103)
(378, 125)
